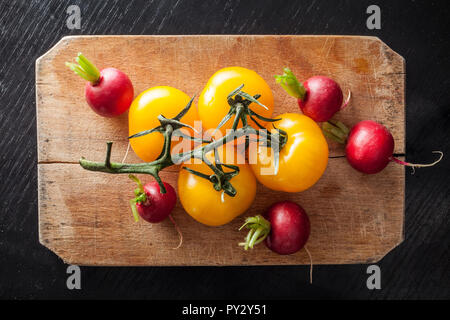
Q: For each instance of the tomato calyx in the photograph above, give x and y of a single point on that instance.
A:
(335, 130)
(220, 179)
(259, 230)
(85, 69)
(239, 102)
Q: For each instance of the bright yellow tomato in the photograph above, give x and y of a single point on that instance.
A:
(213, 105)
(143, 115)
(302, 161)
(208, 206)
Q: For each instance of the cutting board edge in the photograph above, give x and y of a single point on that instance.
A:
(373, 260)
(70, 37)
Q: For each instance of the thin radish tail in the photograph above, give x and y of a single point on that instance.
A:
(310, 265)
(347, 100)
(126, 153)
(180, 234)
(418, 165)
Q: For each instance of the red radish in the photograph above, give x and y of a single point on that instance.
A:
(285, 228)
(369, 145)
(152, 205)
(109, 92)
(318, 97)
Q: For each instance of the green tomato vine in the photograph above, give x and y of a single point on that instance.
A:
(240, 103)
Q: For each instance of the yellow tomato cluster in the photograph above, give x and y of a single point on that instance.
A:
(302, 160)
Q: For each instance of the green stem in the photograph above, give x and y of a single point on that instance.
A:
(134, 210)
(259, 230)
(240, 107)
(139, 183)
(290, 83)
(85, 69)
(248, 238)
(162, 188)
(108, 154)
(340, 125)
(140, 196)
(154, 166)
(335, 130)
(237, 117)
(219, 178)
(116, 167)
(254, 237)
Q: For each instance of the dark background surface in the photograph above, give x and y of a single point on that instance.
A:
(418, 30)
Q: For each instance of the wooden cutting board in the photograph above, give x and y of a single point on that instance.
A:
(84, 217)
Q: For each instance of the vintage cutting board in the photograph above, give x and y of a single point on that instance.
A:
(84, 216)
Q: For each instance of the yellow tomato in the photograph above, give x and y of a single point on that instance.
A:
(213, 105)
(303, 159)
(208, 206)
(143, 115)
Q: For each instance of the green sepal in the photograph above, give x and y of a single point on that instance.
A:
(134, 210)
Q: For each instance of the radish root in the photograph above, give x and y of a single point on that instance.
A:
(180, 234)
(418, 165)
(310, 265)
(349, 95)
(126, 153)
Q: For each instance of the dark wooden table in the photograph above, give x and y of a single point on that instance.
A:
(419, 31)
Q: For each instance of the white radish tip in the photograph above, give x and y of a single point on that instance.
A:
(310, 265)
(347, 100)
(180, 234)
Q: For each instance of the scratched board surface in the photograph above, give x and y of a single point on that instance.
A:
(84, 217)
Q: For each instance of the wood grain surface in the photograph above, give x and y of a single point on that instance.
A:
(84, 216)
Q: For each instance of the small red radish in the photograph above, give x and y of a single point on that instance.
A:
(319, 97)
(109, 92)
(285, 228)
(152, 205)
(369, 145)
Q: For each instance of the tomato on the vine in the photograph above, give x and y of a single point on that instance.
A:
(213, 104)
(143, 115)
(302, 160)
(203, 202)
